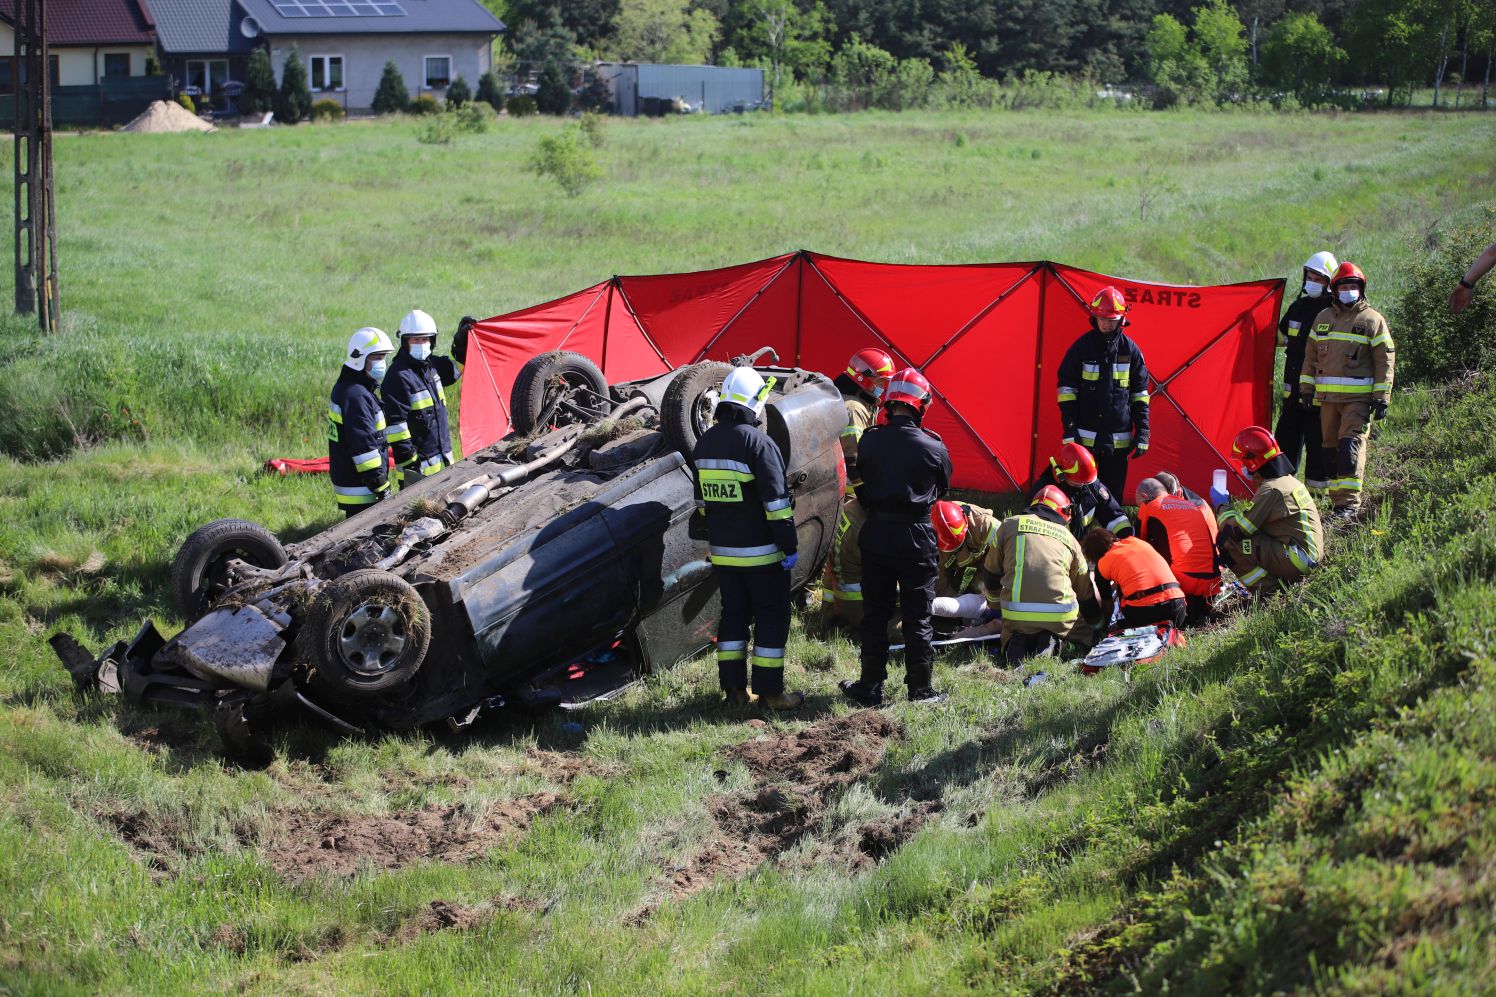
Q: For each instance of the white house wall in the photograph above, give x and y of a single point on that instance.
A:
(364, 57)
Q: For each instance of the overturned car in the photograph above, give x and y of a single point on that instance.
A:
(552, 567)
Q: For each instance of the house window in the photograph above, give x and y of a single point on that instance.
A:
(326, 72)
(7, 80)
(54, 75)
(116, 64)
(438, 72)
(207, 74)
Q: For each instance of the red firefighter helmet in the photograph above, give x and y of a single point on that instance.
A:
(871, 369)
(1108, 303)
(910, 387)
(1074, 466)
(1348, 271)
(1254, 447)
(1054, 498)
(950, 525)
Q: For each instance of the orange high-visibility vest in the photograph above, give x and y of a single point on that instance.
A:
(1139, 572)
(1190, 531)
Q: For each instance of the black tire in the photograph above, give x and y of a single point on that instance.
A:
(685, 411)
(366, 632)
(547, 380)
(198, 574)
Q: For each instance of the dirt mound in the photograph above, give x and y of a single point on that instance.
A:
(878, 839)
(167, 116)
(321, 845)
(440, 915)
(797, 775)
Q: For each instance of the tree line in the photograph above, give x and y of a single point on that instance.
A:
(894, 53)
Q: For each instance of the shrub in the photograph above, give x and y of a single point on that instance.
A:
(595, 95)
(567, 159)
(391, 97)
(327, 109)
(474, 117)
(458, 93)
(591, 124)
(424, 104)
(259, 84)
(553, 95)
(440, 130)
(185, 99)
(489, 92)
(294, 100)
(1432, 344)
(522, 106)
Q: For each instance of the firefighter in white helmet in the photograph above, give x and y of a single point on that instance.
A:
(1298, 426)
(415, 397)
(750, 521)
(356, 444)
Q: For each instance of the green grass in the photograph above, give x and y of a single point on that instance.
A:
(1297, 801)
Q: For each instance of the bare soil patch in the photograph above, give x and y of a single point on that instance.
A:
(797, 775)
(312, 844)
(309, 843)
(441, 915)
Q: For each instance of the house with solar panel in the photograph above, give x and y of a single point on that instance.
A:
(344, 43)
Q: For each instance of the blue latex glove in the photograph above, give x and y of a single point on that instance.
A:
(1218, 499)
(789, 562)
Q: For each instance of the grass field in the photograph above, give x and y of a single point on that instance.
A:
(1299, 801)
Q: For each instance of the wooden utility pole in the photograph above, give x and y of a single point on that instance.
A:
(36, 228)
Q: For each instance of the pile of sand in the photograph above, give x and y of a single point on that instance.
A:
(168, 116)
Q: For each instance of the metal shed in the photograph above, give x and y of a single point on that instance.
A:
(651, 88)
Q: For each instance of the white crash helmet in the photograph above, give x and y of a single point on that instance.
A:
(747, 388)
(1323, 263)
(367, 340)
(417, 323)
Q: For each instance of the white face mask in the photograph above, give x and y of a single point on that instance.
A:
(420, 351)
(1313, 288)
(377, 368)
(1349, 296)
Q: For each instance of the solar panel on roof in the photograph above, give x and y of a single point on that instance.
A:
(337, 8)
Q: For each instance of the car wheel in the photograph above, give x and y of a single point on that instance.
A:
(686, 409)
(366, 632)
(200, 575)
(557, 389)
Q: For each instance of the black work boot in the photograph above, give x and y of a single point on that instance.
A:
(927, 695)
(861, 694)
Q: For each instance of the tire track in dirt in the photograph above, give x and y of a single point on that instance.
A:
(311, 841)
(797, 777)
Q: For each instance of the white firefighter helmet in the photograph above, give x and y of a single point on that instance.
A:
(1322, 262)
(367, 340)
(746, 387)
(417, 323)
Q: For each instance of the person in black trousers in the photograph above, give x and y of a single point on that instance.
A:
(1103, 392)
(905, 470)
(1297, 431)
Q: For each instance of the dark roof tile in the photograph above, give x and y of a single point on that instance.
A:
(91, 22)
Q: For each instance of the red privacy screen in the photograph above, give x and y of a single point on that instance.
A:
(989, 337)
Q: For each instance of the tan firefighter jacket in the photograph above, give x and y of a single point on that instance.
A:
(859, 418)
(1284, 510)
(961, 569)
(1349, 356)
(1033, 574)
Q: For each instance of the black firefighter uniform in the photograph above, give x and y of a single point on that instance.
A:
(750, 518)
(356, 446)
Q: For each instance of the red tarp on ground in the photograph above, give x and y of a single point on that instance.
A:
(989, 337)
